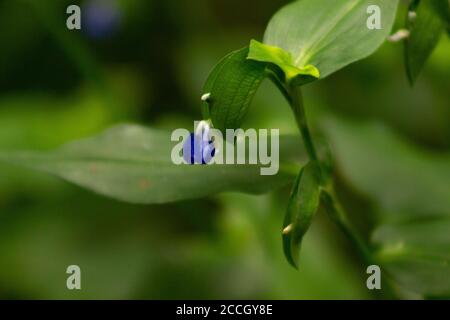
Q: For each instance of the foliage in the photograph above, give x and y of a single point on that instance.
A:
(133, 163)
(426, 22)
(306, 41)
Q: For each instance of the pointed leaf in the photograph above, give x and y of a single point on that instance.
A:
(329, 34)
(230, 88)
(425, 31)
(133, 164)
(282, 59)
(303, 204)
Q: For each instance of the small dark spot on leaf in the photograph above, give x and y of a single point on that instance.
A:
(144, 184)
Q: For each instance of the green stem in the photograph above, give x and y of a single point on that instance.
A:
(338, 215)
(300, 117)
(329, 198)
(279, 84)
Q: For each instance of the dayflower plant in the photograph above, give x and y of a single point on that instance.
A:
(299, 47)
(305, 41)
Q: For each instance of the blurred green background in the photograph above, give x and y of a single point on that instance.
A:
(145, 62)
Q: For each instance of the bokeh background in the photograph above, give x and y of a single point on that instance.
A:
(145, 62)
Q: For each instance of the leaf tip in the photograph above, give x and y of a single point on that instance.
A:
(205, 97)
(398, 36)
(287, 229)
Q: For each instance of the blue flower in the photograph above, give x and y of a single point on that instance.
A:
(199, 148)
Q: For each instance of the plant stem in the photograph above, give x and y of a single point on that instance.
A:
(280, 85)
(329, 198)
(300, 117)
(338, 215)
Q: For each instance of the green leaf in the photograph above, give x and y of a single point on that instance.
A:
(230, 88)
(328, 34)
(133, 164)
(416, 254)
(403, 180)
(303, 204)
(282, 59)
(425, 32)
(410, 191)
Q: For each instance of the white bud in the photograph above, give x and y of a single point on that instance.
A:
(287, 229)
(399, 35)
(206, 96)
